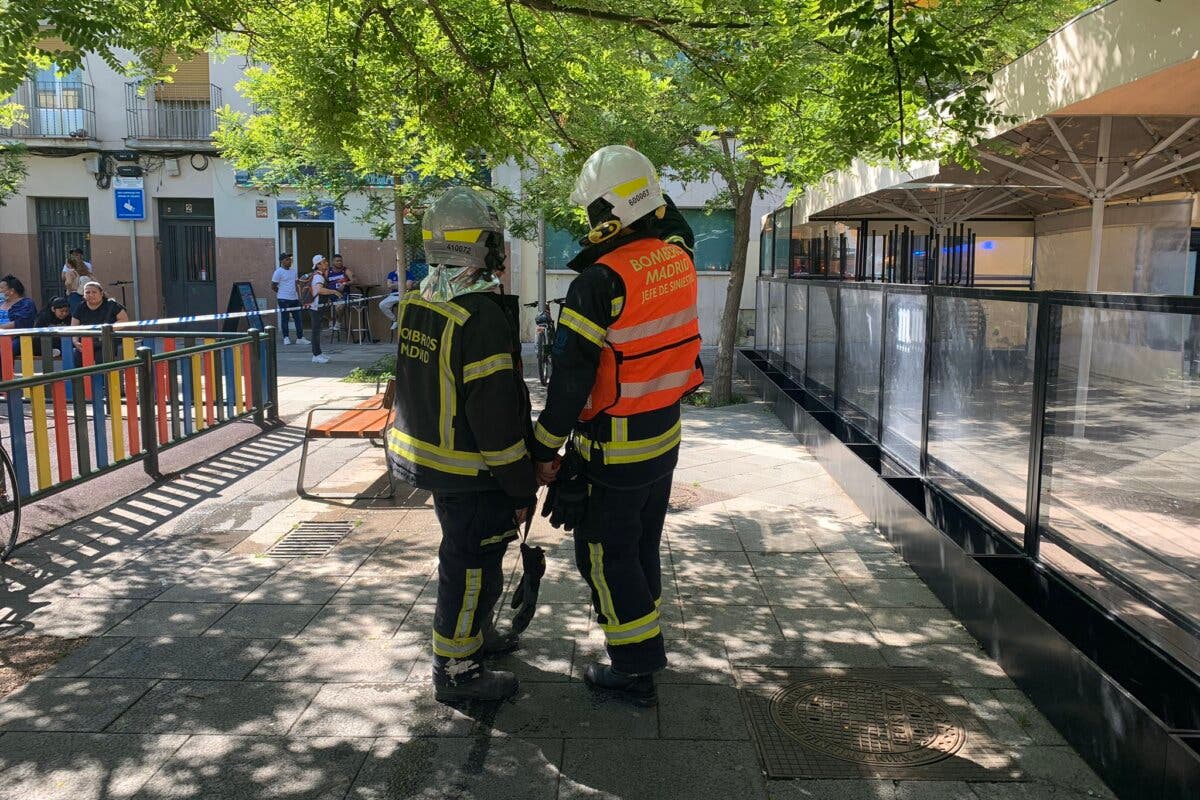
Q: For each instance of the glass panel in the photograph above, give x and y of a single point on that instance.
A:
(904, 376)
(1122, 454)
(822, 341)
(766, 245)
(980, 398)
(761, 313)
(782, 240)
(714, 237)
(776, 322)
(796, 331)
(858, 384)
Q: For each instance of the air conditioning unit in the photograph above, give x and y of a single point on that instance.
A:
(91, 164)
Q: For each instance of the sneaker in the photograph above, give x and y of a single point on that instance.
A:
(636, 689)
(320, 359)
(394, 324)
(301, 340)
(334, 327)
(287, 340)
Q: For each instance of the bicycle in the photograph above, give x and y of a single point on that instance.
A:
(10, 505)
(545, 337)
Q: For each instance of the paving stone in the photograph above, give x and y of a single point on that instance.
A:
(781, 565)
(68, 704)
(235, 767)
(1062, 768)
(263, 621)
(689, 661)
(800, 789)
(806, 592)
(142, 583)
(344, 621)
(216, 586)
(804, 653)
(212, 658)
(375, 589)
(382, 660)
(850, 565)
(730, 623)
(964, 665)
(705, 539)
(538, 659)
(81, 660)
(380, 709)
(906, 627)
(296, 588)
(694, 712)
(1030, 720)
(714, 770)
(209, 707)
(171, 619)
(892, 593)
(826, 625)
(79, 766)
(933, 790)
(728, 589)
(489, 767)
(1031, 791)
(572, 710)
(82, 616)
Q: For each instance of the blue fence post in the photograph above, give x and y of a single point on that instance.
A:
(68, 362)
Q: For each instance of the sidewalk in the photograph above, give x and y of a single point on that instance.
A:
(216, 671)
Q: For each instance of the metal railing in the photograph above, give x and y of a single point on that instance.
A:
(172, 111)
(54, 110)
(1070, 422)
(119, 401)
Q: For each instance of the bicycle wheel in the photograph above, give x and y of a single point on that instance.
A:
(543, 357)
(10, 506)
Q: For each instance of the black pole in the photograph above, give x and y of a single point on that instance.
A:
(147, 391)
(971, 261)
(1048, 321)
(927, 380)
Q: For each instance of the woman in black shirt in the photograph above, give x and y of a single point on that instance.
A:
(96, 309)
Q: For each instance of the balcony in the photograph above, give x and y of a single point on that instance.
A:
(169, 115)
(63, 110)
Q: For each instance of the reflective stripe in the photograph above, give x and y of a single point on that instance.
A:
(596, 554)
(642, 449)
(671, 380)
(624, 190)
(470, 235)
(447, 396)
(466, 616)
(501, 538)
(455, 462)
(639, 630)
(456, 648)
(509, 455)
(620, 429)
(618, 305)
(547, 438)
(487, 366)
(582, 325)
(653, 327)
(450, 310)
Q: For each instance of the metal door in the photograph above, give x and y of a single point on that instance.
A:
(189, 266)
(62, 225)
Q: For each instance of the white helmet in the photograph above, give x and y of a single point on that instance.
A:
(617, 183)
(461, 229)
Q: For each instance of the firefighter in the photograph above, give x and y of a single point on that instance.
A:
(460, 431)
(626, 352)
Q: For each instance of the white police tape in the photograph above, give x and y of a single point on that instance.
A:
(154, 323)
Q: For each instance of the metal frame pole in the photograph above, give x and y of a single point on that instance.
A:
(927, 380)
(147, 391)
(1048, 322)
(272, 335)
(256, 387)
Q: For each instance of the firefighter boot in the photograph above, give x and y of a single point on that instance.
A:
(496, 643)
(459, 680)
(637, 689)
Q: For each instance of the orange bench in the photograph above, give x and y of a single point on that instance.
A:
(367, 420)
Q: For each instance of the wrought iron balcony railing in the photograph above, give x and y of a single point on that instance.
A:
(172, 111)
(54, 110)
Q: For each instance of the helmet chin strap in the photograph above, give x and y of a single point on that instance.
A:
(604, 231)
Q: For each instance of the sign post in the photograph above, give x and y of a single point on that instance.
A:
(129, 200)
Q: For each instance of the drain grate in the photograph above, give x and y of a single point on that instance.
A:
(310, 539)
(899, 724)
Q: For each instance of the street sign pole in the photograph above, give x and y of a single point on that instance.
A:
(133, 260)
(129, 201)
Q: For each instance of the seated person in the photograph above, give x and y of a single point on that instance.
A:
(96, 309)
(55, 315)
(388, 304)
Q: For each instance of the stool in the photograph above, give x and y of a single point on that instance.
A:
(357, 319)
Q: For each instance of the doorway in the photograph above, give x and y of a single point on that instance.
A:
(62, 225)
(305, 240)
(189, 265)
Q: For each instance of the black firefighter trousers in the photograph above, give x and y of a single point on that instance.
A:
(617, 552)
(476, 530)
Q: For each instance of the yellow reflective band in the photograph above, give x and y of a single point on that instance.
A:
(642, 449)
(627, 188)
(447, 396)
(455, 462)
(582, 325)
(456, 648)
(470, 601)
(487, 366)
(509, 455)
(501, 538)
(450, 310)
(584, 447)
(618, 305)
(427, 235)
(547, 438)
(679, 241)
(620, 429)
(671, 380)
(654, 326)
(596, 554)
(639, 630)
(470, 235)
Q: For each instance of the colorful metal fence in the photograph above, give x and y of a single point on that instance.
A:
(121, 396)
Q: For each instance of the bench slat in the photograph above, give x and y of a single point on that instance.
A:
(367, 421)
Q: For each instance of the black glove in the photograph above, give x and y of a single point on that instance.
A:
(566, 501)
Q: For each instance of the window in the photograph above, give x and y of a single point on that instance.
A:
(783, 239)
(55, 91)
(714, 238)
(766, 241)
(562, 245)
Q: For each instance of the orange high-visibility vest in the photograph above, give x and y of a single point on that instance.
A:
(651, 354)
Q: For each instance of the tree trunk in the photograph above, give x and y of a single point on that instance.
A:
(722, 384)
(400, 206)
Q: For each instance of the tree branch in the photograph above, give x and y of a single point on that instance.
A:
(615, 16)
(512, 18)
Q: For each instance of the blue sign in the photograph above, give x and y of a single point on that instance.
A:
(130, 203)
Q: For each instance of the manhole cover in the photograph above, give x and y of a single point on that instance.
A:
(310, 539)
(868, 722)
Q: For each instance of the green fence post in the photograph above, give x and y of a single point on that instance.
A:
(147, 390)
(256, 383)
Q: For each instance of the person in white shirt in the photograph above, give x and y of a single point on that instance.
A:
(322, 296)
(283, 281)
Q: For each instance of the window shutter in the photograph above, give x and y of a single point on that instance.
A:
(54, 44)
(190, 79)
